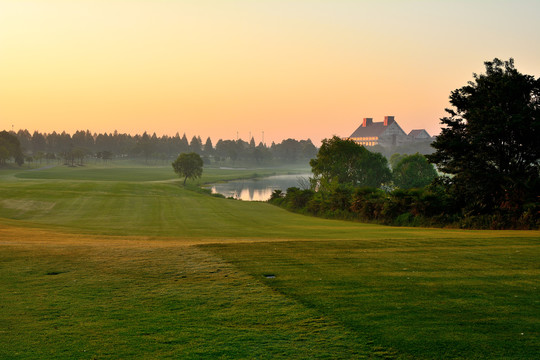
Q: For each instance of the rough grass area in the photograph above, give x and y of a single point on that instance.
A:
(121, 263)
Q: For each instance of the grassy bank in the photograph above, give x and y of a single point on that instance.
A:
(123, 262)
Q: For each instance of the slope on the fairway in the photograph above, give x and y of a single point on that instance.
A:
(166, 209)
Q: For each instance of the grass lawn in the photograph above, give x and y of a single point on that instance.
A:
(447, 298)
(122, 262)
(134, 172)
(95, 298)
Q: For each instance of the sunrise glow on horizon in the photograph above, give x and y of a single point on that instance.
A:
(290, 69)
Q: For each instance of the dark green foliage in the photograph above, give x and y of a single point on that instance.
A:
(340, 197)
(297, 198)
(153, 149)
(10, 148)
(429, 206)
(208, 147)
(228, 149)
(145, 146)
(375, 171)
(291, 150)
(104, 155)
(369, 203)
(395, 159)
(490, 143)
(345, 162)
(413, 171)
(277, 195)
(196, 145)
(189, 165)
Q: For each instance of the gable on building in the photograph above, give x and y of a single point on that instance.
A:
(419, 134)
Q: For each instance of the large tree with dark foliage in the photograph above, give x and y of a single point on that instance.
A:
(345, 162)
(491, 141)
(189, 165)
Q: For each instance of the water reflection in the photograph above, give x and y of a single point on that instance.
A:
(259, 189)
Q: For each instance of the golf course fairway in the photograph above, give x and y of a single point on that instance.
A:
(122, 262)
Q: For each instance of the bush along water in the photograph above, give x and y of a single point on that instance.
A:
(430, 206)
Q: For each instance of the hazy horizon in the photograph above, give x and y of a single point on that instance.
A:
(216, 69)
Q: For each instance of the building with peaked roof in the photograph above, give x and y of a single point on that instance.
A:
(385, 133)
(419, 134)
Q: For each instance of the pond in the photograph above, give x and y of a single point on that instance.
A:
(259, 189)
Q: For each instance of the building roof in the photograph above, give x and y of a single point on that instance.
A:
(416, 132)
(374, 129)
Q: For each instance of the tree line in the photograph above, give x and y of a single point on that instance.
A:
(10, 148)
(488, 154)
(74, 148)
(350, 182)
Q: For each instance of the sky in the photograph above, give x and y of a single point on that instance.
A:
(225, 68)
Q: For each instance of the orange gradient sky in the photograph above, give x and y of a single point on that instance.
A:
(293, 69)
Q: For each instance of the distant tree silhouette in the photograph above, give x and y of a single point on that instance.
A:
(152, 147)
(195, 145)
(10, 147)
(208, 147)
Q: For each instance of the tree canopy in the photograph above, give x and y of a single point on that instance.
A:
(152, 148)
(10, 147)
(490, 140)
(345, 162)
(188, 165)
(413, 171)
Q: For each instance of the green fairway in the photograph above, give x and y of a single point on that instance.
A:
(123, 262)
(448, 299)
(110, 300)
(162, 207)
(129, 171)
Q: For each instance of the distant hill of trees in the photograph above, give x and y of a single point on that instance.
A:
(75, 148)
